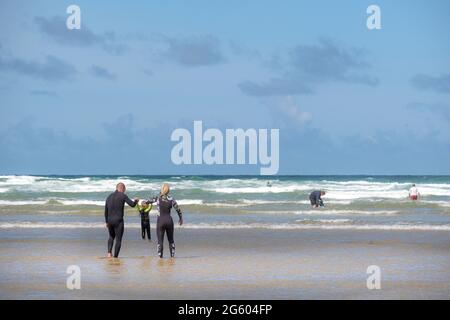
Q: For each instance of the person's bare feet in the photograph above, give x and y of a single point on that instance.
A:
(109, 255)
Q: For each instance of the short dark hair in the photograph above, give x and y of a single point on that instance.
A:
(121, 186)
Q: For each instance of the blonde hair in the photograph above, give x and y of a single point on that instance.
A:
(165, 189)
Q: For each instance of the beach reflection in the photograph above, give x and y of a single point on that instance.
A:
(114, 266)
(166, 265)
(147, 263)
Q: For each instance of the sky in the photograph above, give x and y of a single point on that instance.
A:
(105, 99)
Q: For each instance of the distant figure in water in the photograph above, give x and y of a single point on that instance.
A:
(316, 198)
(164, 223)
(144, 209)
(114, 217)
(414, 193)
(269, 184)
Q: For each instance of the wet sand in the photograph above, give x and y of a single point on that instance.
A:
(226, 264)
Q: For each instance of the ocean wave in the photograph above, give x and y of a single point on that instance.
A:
(187, 202)
(236, 226)
(18, 180)
(81, 202)
(73, 185)
(333, 207)
(324, 221)
(23, 203)
(273, 189)
(356, 195)
(269, 202)
(232, 190)
(248, 203)
(321, 211)
(51, 202)
(445, 204)
(55, 225)
(257, 202)
(393, 227)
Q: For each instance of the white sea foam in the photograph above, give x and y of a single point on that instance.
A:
(322, 211)
(399, 227)
(439, 203)
(19, 180)
(50, 202)
(235, 226)
(273, 189)
(354, 195)
(248, 203)
(187, 202)
(338, 192)
(81, 202)
(73, 185)
(324, 221)
(53, 225)
(22, 203)
(283, 226)
(432, 190)
(269, 202)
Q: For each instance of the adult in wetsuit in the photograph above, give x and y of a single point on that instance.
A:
(164, 222)
(315, 198)
(114, 207)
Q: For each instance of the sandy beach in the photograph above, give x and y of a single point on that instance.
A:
(227, 264)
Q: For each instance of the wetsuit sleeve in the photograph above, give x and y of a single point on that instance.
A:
(106, 212)
(152, 200)
(130, 202)
(177, 208)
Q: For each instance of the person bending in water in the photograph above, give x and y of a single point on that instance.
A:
(316, 198)
(164, 223)
(114, 207)
(144, 209)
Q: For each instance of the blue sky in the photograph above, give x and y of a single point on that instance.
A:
(105, 99)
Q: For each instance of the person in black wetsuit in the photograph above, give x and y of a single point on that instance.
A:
(164, 222)
(114, 207)
(316, 198)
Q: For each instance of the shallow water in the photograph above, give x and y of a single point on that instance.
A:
(226, 264)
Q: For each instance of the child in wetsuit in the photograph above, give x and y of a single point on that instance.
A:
(144, 209)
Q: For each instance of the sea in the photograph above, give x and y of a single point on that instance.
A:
(233, 202)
